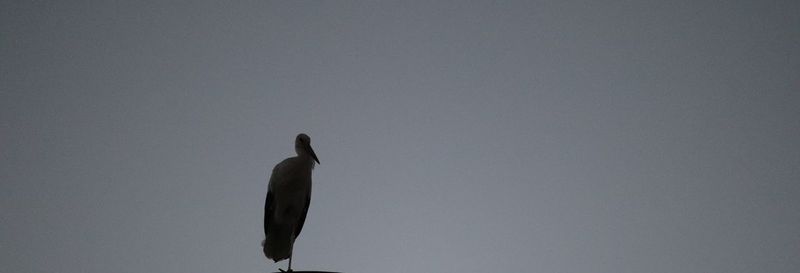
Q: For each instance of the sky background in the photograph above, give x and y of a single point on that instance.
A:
(532, 136)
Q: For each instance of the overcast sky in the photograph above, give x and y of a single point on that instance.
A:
(533, 136)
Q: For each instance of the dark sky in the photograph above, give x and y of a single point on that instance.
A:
(563, 136)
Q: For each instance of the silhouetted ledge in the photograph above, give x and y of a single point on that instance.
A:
(303, 271)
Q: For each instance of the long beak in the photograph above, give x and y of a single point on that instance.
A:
(313, 155)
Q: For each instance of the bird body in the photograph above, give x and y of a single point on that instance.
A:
(290, 189)
(288, 198)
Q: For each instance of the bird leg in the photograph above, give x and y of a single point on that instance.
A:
(291, 246)
(290, 266)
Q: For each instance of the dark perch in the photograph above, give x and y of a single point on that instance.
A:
(300, 271)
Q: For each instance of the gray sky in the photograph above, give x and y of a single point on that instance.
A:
(563, 136)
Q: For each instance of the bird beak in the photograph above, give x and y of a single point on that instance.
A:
(311, 152)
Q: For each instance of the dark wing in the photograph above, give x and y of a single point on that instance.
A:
(269, 208)
(302, 217)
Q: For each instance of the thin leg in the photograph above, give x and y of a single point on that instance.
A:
(290, 264)
(291, 248)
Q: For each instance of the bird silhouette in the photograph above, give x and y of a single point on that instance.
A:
(288, 197)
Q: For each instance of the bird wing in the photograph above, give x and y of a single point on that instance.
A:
(269, 206)
(302, 220)
(269, 209)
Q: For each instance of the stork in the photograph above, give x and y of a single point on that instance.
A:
(288, 197)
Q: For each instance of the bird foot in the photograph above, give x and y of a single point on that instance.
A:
(289, 270)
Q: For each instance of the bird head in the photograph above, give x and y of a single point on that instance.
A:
(302, 145)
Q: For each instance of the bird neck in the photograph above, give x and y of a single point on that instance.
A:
(306, 158)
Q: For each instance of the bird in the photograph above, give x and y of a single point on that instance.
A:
(287, 201)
